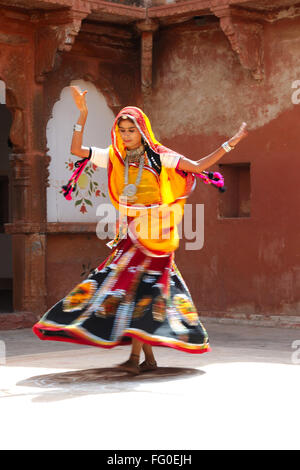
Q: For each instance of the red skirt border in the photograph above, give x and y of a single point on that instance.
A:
(79, 336)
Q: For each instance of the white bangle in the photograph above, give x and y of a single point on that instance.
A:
(77, 127)
(227, 147)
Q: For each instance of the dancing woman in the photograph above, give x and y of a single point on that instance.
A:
(137, 295)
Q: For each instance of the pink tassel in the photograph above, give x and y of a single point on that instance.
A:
(214, 178)
(71, 185)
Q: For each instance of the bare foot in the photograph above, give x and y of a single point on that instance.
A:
(129, 366)
(148, 365)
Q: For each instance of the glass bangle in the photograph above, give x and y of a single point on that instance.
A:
(227, 147)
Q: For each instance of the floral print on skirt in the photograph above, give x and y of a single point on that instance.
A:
(129, 295)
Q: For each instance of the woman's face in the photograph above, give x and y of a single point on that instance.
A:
(131, 137)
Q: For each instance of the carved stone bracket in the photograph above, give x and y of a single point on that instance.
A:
(147, 29)
(54, 33)
(17, 130)
(246, 39)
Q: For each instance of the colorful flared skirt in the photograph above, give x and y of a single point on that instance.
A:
(130, 295)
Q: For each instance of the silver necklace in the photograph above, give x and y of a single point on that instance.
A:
(135, 154)
(129, 191)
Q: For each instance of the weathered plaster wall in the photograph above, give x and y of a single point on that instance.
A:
(248, 266)
(208, 90)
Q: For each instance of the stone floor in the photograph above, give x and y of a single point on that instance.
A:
(244, 394)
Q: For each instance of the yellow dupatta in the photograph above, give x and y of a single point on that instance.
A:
(153, 225)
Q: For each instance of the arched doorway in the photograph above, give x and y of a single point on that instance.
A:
(6, 272)
(93, 189)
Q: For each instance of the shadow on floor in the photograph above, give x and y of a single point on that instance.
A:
(71, 384)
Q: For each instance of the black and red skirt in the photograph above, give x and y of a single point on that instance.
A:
(130, 295)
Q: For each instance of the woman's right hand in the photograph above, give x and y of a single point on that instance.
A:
(241, 134)
(79, 98)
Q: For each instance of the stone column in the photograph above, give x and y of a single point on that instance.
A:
(147, 29)
(52, 32)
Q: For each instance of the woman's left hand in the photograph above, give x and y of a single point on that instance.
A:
(241, 134)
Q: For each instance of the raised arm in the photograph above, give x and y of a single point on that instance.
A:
(188, 165)
(76, 145)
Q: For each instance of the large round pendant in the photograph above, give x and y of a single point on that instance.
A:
(129, 190)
